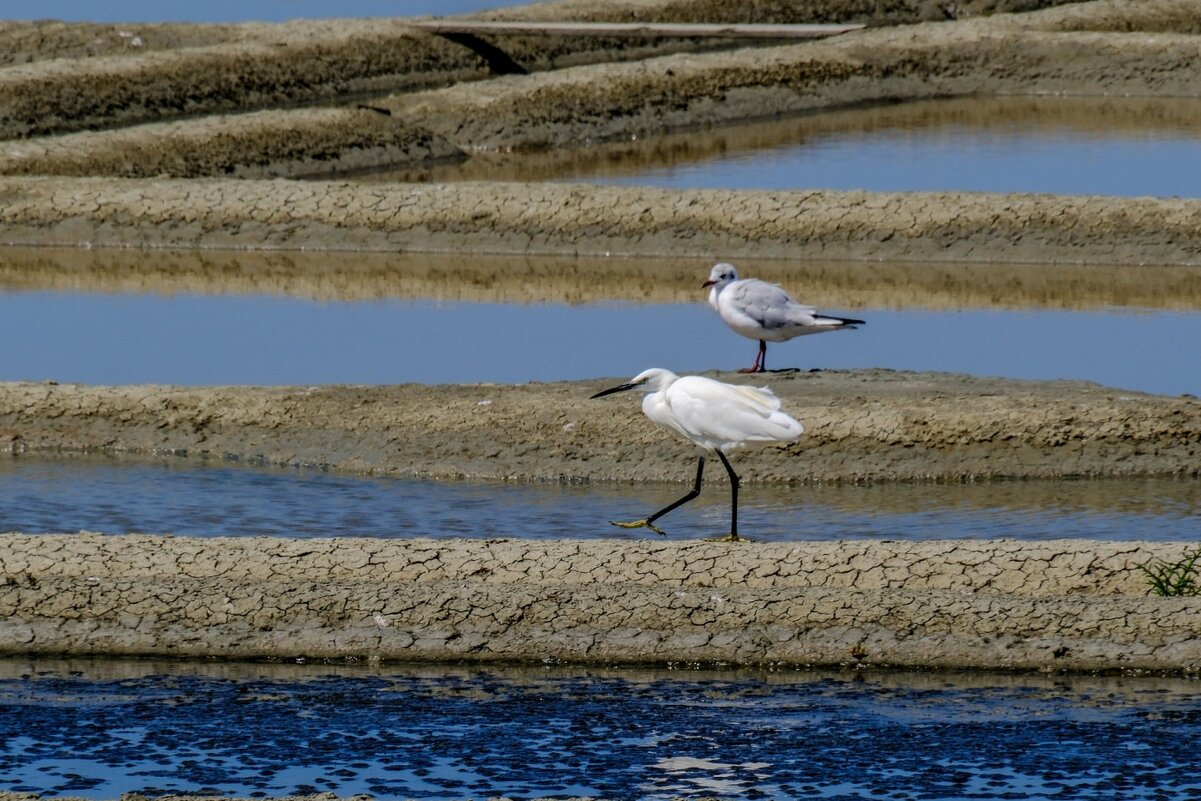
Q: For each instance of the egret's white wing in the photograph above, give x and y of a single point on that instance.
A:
(719, 415)
(657, 409)
(759, 398)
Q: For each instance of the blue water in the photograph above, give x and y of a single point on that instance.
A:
(114, 496)
(451, 733)
(263, 340)
(1163, 163)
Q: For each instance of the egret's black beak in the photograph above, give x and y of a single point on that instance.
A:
(611, 390)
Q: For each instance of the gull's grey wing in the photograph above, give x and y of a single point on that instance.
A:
(769, 305)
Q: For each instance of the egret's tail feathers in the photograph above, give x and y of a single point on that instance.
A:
(778, 427)
(761, 397)
(790, 427)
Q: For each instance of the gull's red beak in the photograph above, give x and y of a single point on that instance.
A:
(708, 283)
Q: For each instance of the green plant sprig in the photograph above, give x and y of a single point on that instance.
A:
(1175, 579)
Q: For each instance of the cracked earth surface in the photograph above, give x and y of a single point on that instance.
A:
(1062, 604)
(190, 142)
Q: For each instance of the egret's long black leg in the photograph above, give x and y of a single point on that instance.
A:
(649, 522)
(733, 536)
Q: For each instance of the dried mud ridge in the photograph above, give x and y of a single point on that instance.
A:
(861, 425)
(598, 220)
(1063, 604)
(337, 96)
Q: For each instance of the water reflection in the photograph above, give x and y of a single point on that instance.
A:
(1150, 146)
(115, 496)
(300, 318)
(571, 280)
(104, 728)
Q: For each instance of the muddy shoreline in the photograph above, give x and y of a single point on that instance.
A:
(1056, 605)
(599, 221)
(861, 425)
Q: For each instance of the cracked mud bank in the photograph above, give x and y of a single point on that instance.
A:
(599, 221)
(1050, 605)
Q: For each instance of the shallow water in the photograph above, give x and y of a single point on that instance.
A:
(1059, 161)
(1148, 146)
(103, 728)
(115, 496)
(261, 340)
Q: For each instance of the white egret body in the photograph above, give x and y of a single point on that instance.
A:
(714, 416)
(763, 311)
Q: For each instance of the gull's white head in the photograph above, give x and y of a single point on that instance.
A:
(652, 380)
(721, 276)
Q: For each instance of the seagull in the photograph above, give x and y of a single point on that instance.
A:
(714, 416)
(763, 311)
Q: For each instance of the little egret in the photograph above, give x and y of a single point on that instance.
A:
(763, 311)
(715, 417)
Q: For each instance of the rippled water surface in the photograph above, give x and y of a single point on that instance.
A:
(98, 730)
(114, 496)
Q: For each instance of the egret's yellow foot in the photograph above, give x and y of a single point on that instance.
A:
(728, 538)
(639, 524)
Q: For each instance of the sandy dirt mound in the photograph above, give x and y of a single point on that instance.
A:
(599, 221)
(873, 425)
